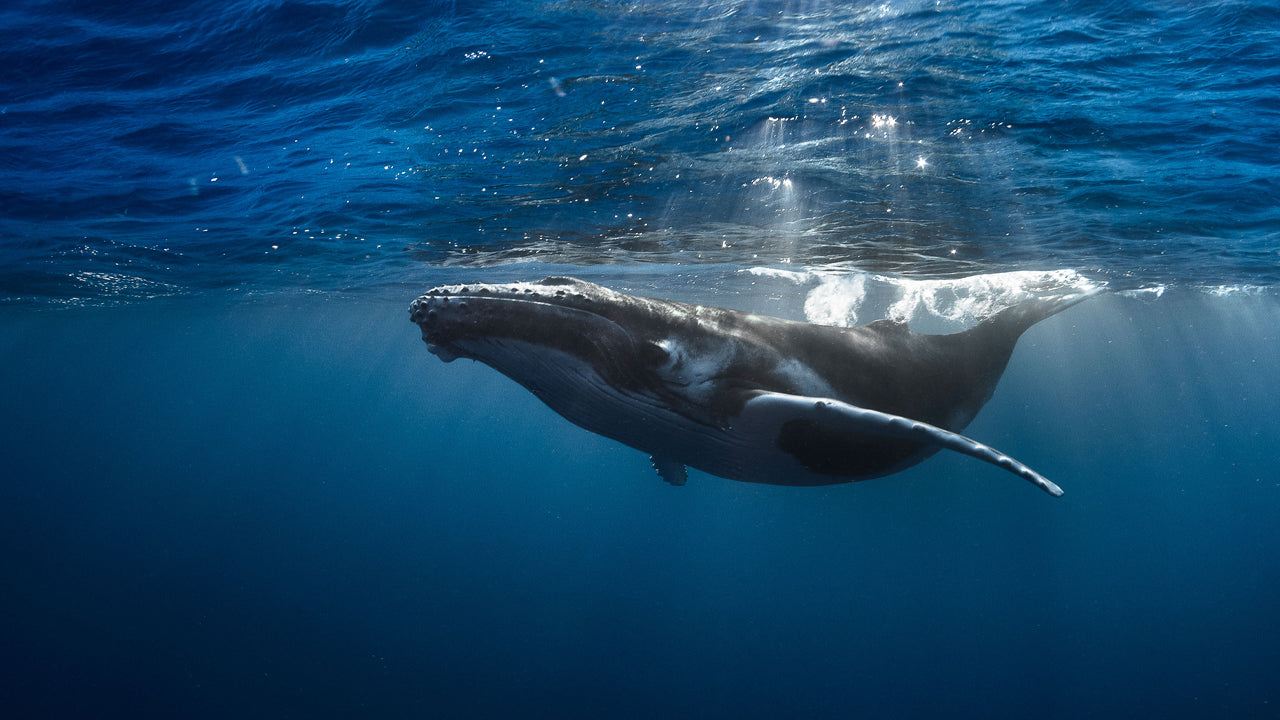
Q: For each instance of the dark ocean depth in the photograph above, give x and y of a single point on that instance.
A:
(292, 510)
(234, 483)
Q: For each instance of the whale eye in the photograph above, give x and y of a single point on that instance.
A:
(654, 355)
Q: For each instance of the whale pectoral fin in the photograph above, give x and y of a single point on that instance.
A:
(670, 470)
(773, 412)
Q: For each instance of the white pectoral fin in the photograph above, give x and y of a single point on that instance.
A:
(769, 411)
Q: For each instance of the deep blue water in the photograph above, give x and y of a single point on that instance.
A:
(234, 483)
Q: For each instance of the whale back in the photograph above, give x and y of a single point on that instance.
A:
(943, 380)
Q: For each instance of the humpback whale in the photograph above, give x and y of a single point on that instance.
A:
(735, 394)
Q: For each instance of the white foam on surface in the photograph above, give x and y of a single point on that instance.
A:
(846, 299)
(1225, 290)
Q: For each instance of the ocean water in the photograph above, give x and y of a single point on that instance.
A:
(234, 483)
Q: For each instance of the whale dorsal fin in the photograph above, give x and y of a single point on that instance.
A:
(670, 470)
(888, 325)
(772, 413)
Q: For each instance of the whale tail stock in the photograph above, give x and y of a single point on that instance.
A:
(991, 341)
(1015, 320)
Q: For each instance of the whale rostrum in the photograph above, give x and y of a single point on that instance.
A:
(736, 394)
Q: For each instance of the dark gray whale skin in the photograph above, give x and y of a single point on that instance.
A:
(735, 394)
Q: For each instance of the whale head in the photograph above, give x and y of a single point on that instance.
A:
(593, 354)
(576, 320)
